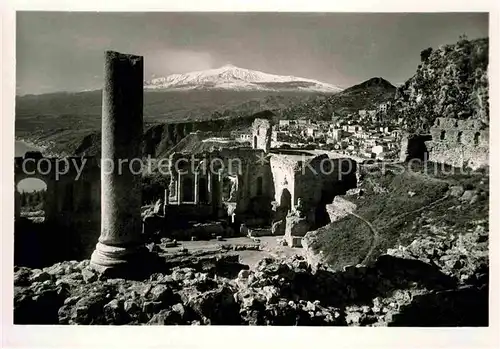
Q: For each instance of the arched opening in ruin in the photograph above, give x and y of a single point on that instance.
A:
(35, 243)
(417, 149)
(187, 189)
(459, 137)
(477, 136)
(255, 142)
(229, 188)
(442, 135)
(32, 198)
(203, 190)
(285, 200)
(321, 215)
(260, 188)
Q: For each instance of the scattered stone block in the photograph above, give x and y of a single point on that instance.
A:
(456, 191)
(467, 195)
(294, 241)
(296, 226)
(89, 276)
(41, 276)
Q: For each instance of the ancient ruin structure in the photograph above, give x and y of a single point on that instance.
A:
(120, 243)
(220, 183)
(311, 180)
(459, 143)
(261, 134)
(72, 201)
(257, 186)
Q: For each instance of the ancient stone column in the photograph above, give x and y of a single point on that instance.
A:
(166, 196)
(121, 197)
(209, 187)
(196, 189)
(179, 189)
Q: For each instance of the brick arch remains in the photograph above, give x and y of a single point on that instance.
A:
(77, 226)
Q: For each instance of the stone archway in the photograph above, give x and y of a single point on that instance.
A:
(31, 195)
(285, 200)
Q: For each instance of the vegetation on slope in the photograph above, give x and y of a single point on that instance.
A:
(401, 206)
(451, 81)
(367, 95)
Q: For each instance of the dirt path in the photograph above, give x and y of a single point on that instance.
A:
(375, 233)
(375, 236)
(436, 202)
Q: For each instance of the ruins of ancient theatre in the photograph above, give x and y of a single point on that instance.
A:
(267, 187)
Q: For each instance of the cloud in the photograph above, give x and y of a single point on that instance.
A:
(91, 42)
(165, 62)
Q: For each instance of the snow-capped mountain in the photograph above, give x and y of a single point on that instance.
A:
(230, 77)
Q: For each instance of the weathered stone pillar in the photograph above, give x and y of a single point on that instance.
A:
(120, 241)
(196, 189)
(179, 188)
(166, 196)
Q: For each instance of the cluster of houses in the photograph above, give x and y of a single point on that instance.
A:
(358, 134)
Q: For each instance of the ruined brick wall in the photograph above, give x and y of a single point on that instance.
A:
(283, 176)
(250, 166)
(316, 180)
(459, 143)
(261, 134)
(73, 201)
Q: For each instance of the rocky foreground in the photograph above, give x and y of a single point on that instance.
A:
(432, 282)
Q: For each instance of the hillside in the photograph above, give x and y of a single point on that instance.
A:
(451, 81)
(69, 123)
(366, 95)
(395, 208)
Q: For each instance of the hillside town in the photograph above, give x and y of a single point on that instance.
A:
(360, 135)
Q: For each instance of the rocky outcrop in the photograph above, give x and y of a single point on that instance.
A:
(403, 287)
(339, 208)
(451, 82)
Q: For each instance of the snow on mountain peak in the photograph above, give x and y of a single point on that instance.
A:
(231, 77)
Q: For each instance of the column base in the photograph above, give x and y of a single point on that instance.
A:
(122, 262)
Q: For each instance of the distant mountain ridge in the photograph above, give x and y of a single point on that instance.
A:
(70, 122)
(366, 95)
(230, 77)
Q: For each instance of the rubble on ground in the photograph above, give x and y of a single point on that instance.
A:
(276, 292)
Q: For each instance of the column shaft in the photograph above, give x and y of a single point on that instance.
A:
(121, 193)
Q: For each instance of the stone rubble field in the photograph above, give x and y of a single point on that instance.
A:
(432, 281)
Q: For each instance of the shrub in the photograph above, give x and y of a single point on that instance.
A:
(424, 55)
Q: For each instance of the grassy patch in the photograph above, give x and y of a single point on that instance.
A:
(395, 204)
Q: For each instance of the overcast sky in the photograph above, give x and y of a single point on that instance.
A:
(64, 51)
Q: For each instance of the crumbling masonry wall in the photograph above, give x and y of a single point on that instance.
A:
(254, 185)
(316, 180)
(73, 203)
(459, 143)
(261, 134)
